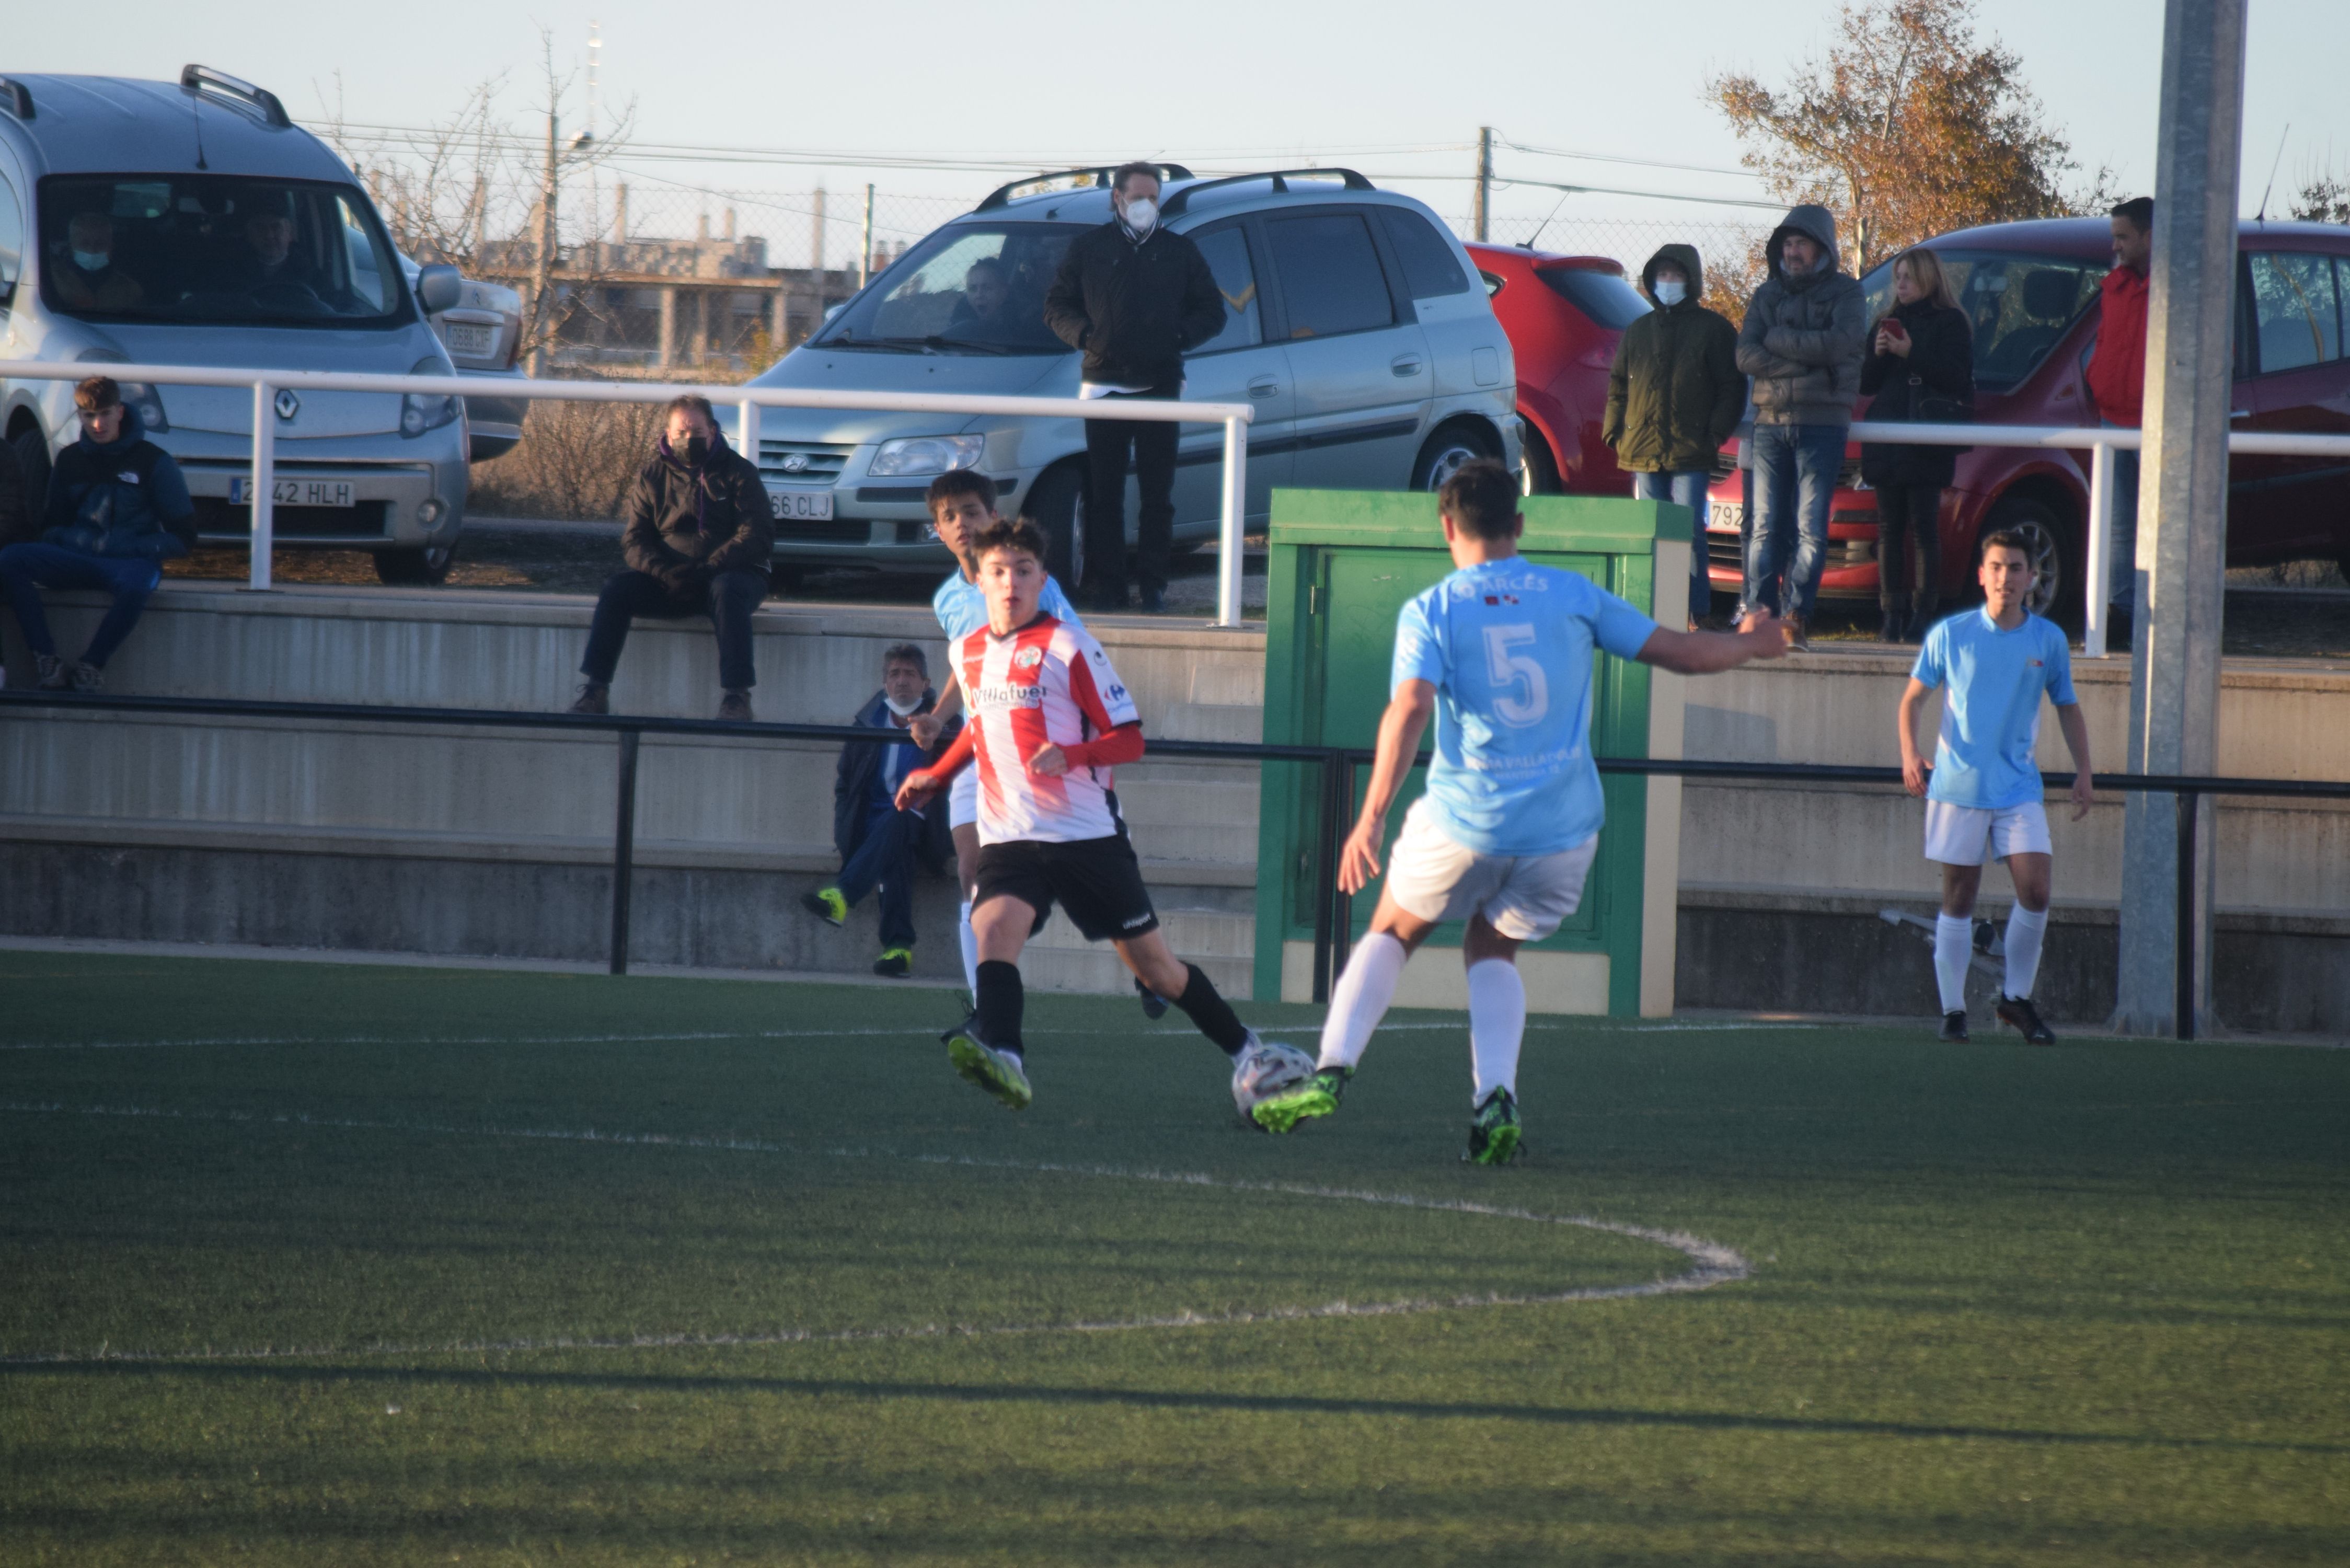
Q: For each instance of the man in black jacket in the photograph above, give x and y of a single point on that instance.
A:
(879, 845)
(1133, 297)
(697, 536)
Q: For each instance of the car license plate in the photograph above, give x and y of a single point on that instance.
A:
(800, 505)
(1727, 516)
(296, 492)
(470, 337)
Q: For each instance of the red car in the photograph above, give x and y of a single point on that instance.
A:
(1563, 315)
(2032, 291)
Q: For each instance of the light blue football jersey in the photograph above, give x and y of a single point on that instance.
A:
(960, 605)
(1992, 684)
(1508, 646)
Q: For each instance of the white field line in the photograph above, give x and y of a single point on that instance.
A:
(1711, 1263)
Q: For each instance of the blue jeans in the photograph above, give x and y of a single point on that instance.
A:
(1683, 489)
(1796, 469)
(27, 570)
(885, 859)
(2121, 567)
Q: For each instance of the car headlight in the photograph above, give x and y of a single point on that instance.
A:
(149, 404)
(912, 456)
(421, 411)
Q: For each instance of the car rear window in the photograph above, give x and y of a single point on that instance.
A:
(1604, 297)
(2020, 306)
(1430, 270)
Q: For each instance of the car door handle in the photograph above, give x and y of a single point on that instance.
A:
(1264, 386)
(1408, 365)
(2240, 413)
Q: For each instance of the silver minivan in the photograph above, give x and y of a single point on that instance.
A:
(1354, 326)
(194, 224)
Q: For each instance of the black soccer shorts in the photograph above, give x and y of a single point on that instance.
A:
(1097, 880)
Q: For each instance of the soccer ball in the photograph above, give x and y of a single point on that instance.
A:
(1264, 1068)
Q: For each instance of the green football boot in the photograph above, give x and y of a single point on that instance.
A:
(1493, 1131)
(1316, 1096)
(997, 1072)
(826, 905)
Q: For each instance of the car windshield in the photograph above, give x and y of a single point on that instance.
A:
(2020, 305)
(1607, 299)
(185, 248)
(970, 289)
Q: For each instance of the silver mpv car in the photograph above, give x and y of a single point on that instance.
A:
(1355, 328)
(194, 224)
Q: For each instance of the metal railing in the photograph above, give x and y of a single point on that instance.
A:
(1335, 810)
(746, 402)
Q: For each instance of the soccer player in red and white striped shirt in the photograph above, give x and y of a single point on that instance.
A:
(1049, 721)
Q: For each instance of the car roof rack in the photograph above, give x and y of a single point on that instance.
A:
(203, 78)
(15, 97)
(1100, 172)
(1280, 178)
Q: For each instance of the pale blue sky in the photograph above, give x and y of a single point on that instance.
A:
(1212, 81)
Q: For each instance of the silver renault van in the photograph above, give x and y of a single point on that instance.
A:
(193, 223)
(1354, 326)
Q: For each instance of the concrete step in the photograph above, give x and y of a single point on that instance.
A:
(1221, 942)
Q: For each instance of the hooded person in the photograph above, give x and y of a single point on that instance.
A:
(1674, 396)
(1803, 342)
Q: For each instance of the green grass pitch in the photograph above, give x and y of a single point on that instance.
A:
(313, 1264)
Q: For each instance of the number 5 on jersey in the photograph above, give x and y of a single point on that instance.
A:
(1521, 692)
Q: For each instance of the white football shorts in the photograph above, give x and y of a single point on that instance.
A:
(1524, 898)
(963, 796)
(1958, 835)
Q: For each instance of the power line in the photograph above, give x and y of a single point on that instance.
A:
(1618, 157)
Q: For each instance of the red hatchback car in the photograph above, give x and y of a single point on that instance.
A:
(1563, 315)
(2032, 291)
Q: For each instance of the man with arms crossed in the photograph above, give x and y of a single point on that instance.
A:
(1049, 721)
(1992, 665)
(1501, 651)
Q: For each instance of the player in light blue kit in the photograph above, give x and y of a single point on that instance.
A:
(1993, 665)
(1501, 653)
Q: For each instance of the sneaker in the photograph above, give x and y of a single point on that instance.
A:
(735, 707)
(895, 963)
(1316, 1096)
(1493, 1131)
(1153, 601)
(2019, 1011)
(88, 679)
(53, 675)
(592, 699)
(1798, 635)
(1954, 1028)
(826, 905)
(1263, 1068)
(997, 1072)
(1153, 1004)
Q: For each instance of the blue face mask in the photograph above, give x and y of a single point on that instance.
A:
(91, 261)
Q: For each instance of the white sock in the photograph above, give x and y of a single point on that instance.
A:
(2024, 930)
(1497, 1027)
(1954, 944)
(970, 951)
(1360, 999)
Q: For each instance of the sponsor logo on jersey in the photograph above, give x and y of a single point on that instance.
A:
(1011, 697)
(1028, 659)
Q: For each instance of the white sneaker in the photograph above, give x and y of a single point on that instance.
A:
(1266, 1067)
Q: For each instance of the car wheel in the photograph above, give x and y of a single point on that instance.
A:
(1540, 475)
(1446, 450)
(1056, 504)
(32, 451)
(2056, 568)
(423, 568)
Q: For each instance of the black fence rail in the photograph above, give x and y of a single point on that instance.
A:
(1334, 910)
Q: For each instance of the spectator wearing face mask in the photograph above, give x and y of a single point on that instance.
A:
(88, 278)
(1132, 297)
(697, 536)
(1674, 397)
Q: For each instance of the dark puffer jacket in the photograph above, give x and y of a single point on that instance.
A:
(685, 525)
(121, 498)
(1804, 337)
(1134, 308)
(1941, 364)
(1675, 391)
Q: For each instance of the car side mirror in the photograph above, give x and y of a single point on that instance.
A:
(438, 288)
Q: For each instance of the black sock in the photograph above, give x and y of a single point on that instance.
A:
(1000, 1003)
(1205, 1007)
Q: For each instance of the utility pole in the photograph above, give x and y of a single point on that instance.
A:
(864, 247)
(542, 271)
(815, 234)
(2174, 719)
(1484, 219)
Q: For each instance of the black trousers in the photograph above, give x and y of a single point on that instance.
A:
(1153, 444)
(729, 601)
(1910, 514)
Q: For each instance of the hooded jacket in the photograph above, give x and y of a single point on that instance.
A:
(121, 498)
(1133, 308)
(860, 761)
(1804, 337)
(1675, 392)
(685, 524)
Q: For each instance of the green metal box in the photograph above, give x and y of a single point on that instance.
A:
(1343, 564)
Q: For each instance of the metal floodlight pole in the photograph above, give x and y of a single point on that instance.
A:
(263, 512)
(2174, 715)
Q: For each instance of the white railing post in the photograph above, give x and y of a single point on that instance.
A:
(747, 430)
(1230, 558)
(2097, 568)
(263, 484)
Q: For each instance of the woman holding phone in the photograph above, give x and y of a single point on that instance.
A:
(1921, 371)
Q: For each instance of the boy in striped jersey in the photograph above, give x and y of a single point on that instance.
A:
(1049, 721)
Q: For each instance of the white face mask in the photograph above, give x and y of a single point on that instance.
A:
(1671, 291)
(91, 261)
(1142, 215)
(900, 709)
